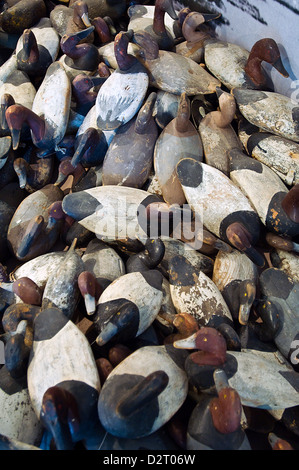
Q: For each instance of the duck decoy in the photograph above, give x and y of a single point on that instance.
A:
(17, 348)
(215, 422)
(266, 192)
(236, 277)
(79, 58)
(112, 212)
(178, 140)
(63, 380)
(146, 259)
(18, 419)
(156, 387)
(193, 46)
(280, 154)
(24, 289)
(24, 14)
(269, 111)
(103, 8)
(122, 94)
(68, 20)
(34, 176)
(284, 300)
(37, 48)
(234, 66)
(47, 123)
(85, 90)
(156, 26)
(165, 108)
(36, 223)
(217, 133)
(172, 72)
(263, 379)
(193, 292)
(128, 306)
(129, 158)
(61, 290)
(226, 212)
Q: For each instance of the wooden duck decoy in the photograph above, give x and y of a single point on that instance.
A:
(65, 399)
(193, 46)
(146, 259)
(24, 289)
(263, 379)
(178, 140)
(266, 192)
(18, 419)
(128, 306)
(284, 300)
(24, 14)
(156, 26)
(156, 387)
(270, 111)
(103, 8)
(129, 158)
(47, 123)
(234, 66)
(215, 422)
(227, 213)
(104, 210)
(85, 90)
(122, 94)
(35, 226)
(236, 277)
(172, 72)
(281, 155)
(217, 133)
(68, 20)
(17, 349)
(61, 290)
(34, 176)
(166, 108)
(37, 48)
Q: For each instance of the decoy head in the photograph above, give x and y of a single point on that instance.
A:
(149, 47)
(121, 42)
(21, 167)
(247, 292)
(102, 29)
(85, 146)
(211, 344)
(226, 409)
(17, 351)
(27, 290)
(192, 21)
(182, 14)
(60, 415)
(33, 230)
(16, 115)
(183, 114)
(166, 6)
(290, 203)
(240, 238)
(68, 42)
(6, 100)
(55, 213)
(145, 114)
(65, 169)
(90, 290)
(80, 16)
(30, 49)
(227, 105)
(278, 443)
(281, 243)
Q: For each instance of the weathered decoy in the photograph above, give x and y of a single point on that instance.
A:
(85, 90)
(128, 306)
(24, 289)
(217, 133)
(234, 66)
(49, 116)
(34, 175)
(236, 277)
(17, 348)
(23, 14)
(263, 379)
(156, 387)
(122, 94)
(65, 399)
(112, 212)
(68, 20)
(172, 72)
(226, 211)
(270, 111)
(37, 48)
(193, 46)
(215, 422)
(61, 289)
(166, 108)
(103, 8)
(266, 192)
(149, 258)
(287, 261)
(79, 58)
(280, 154)
(35, 225)
(129, 157)
(18, 419)
(179, 139)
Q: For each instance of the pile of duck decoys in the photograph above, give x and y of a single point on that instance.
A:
(149, 207)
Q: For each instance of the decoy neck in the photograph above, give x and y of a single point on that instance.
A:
(149, 47)
(226, 409)
(162, 7)
(191, 22)
(183, 115)
(16, 115)
(263, 50)
(102, 30)
(60, 415)
(121, 41)
(80, 15)
(224, 116)
(211, 344)
(241, 239)
(145, 114)
(6, 101)
(143, 393)
(290, 203)
(30, 47)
